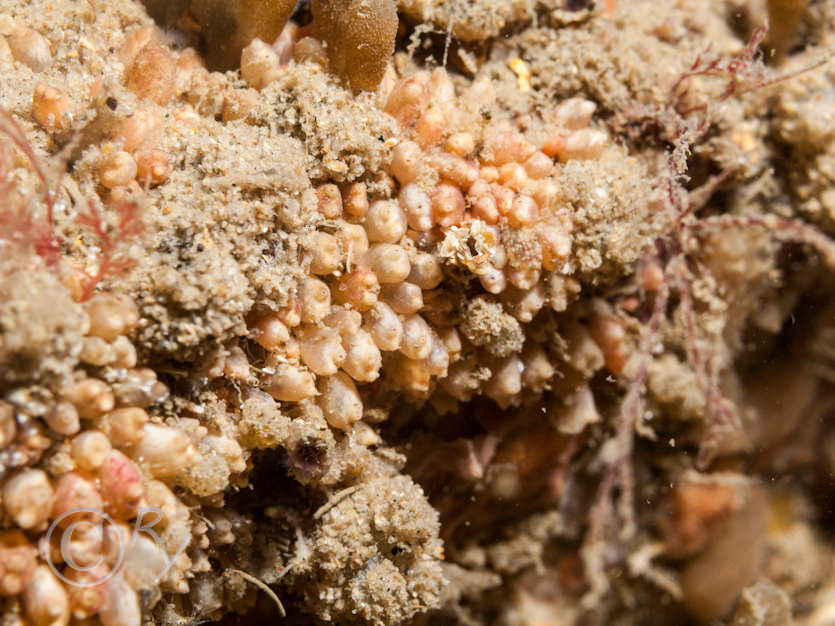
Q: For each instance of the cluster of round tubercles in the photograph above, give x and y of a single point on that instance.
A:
(482, 198)
(472, 199)
(359, 304)
(132, 160)
(97, 448)
(261, 63)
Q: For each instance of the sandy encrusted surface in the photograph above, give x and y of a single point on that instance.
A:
(609, 400)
